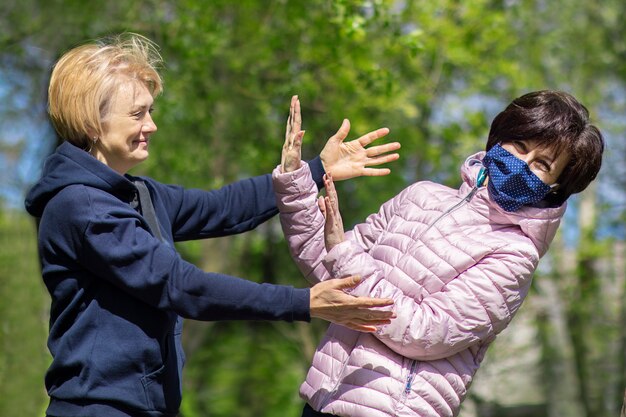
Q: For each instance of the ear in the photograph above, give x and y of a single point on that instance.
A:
(92, 134)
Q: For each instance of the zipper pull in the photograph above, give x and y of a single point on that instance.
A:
(480, 180)
(482, 176)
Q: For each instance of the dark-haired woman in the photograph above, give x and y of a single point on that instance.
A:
(457, 262)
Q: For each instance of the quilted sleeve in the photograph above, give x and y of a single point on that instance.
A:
(473, 308)
(303, 222)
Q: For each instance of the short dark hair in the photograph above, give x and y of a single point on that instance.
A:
(558, 121)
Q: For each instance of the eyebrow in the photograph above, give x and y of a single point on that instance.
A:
(521, 144)
(137, 107)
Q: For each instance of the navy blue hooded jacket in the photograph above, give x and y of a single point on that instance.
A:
(119, 293)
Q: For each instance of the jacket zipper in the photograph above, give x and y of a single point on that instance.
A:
(482, 175)
(409, 379)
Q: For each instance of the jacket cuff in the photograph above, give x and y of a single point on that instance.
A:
(285, 182)
(301, 304)
(340, 258)
(317, 171)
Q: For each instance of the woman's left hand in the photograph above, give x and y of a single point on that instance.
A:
(291, 157)
(352, 159)
(329, 206)
(329, 301)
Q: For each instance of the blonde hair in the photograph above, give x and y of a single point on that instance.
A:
(84, 81)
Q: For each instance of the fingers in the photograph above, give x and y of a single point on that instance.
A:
(331, 191)
(371, 315)
(297, 116)
(292, 107)
(372, 321)
(342, 133)
(363, 302)
(372, 136)
(375, 151)
(329, 302)
(368, 320)
(362, 329)
(368, 302)
(294, 121)
(332, 202)
(378, 172)
(346, 283)
(333, 229)
(298, 139)
(375, 172)
(332, 213)
(334, 217)
(383, 159)
(291, 152)
(367, 326)
(321, 203)
(329, 215)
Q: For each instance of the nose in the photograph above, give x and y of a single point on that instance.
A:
(149, 126)
(526, 157)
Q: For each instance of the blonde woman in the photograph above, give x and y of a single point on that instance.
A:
(119, 289)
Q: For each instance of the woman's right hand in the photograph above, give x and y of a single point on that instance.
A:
(354, 158)
(291, 157)
(331, 303)
(329, 206)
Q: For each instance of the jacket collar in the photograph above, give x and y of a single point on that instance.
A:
(539, 224)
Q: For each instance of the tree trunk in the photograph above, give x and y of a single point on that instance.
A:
(585, 302)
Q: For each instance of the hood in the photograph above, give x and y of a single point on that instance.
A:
(538, 223)
(70, 165)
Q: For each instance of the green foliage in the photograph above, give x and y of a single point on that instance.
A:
(23, 308)
(434, 72)
(252, 368)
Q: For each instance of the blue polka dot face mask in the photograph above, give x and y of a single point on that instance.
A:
(512, 184)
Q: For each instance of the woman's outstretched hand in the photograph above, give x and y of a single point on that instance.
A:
(352, 159)
(331, 303)
(344, 159)
(329, 206)
(291, 157)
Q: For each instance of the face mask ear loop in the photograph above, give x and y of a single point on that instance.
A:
(554, 188)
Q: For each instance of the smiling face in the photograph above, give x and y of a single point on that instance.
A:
(126, 128)
(544, 162)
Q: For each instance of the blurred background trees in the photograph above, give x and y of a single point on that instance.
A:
(434, 72)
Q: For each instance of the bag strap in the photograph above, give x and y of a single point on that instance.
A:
(147, 209)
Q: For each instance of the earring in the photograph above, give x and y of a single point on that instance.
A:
(93, 143)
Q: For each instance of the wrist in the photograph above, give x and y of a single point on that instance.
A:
(290, 167)
(318, 169)
(334, 242)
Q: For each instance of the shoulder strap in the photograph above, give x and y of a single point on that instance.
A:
(147, 209)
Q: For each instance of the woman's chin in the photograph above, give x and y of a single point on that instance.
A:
(140, 152)
(142, 156)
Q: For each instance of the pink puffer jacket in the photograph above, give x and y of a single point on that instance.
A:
(458, 268)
